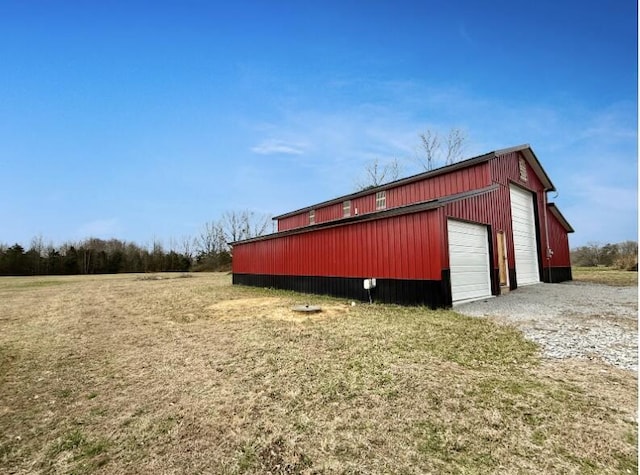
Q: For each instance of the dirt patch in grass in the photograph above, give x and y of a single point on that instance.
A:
(118, 375)
(606, 276)
(279, 308)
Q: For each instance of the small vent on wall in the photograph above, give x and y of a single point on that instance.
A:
(523, 169)
(346, 208)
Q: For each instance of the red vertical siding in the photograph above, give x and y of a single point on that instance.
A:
(494, 209)
(558, 242)
(466, 179)
(364, 204)
(506, 170)
(329, 213)
(457, 181)
(384, 248)
(295, 221)
(410, 246)
(491, 209)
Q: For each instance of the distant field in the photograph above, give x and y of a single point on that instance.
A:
(605, 275)
(163, 374)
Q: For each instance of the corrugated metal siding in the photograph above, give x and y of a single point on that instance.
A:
(506, 169)
(494, 208)
(559, 242)
(329, 213)
(296, 221)
(459, 181)
(412, 246)
(490, 209)
(364, 204)
(399, 247)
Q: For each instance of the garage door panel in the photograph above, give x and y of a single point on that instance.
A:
(524, 236)
(470, 279)
(468, 261)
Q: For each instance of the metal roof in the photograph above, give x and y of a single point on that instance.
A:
(387, 213)
(525, 149)
(556, 212)
(533, 161)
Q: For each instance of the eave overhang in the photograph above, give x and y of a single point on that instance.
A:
(525, 149)
(403, 181)
(398, 211)
(553, 209)
(530, 156)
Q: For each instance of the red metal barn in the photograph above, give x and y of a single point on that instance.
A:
(462, 232)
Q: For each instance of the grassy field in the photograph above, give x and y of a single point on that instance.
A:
(163, 374)
(605, 275)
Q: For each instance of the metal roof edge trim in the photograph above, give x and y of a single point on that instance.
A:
(560, 217)
(533, 161)
(398, 211)
(402, 181)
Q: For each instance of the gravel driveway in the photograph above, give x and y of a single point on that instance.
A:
(572, 319)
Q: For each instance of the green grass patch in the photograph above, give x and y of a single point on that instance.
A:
(68, 442)
(65, 393)
(446, 335)
(79, 453)
(248, 386)
(606, 276)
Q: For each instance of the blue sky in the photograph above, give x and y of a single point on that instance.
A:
(144, 120)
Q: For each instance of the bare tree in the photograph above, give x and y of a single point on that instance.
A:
(255, 224)
(238, 225)
(430, 144)
(431, 148)
(588, 255)
(377, 174)
(455, 146)
(232, 225)
(627, 255)
(37, 252)
(187, 245)
(212, 244)
(211, 240)
(37, 245)
(623, 255)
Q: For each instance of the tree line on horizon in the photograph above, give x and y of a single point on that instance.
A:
(622, 255)
(208, 251)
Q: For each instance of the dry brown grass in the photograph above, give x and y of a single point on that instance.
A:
(118, 374)
(606, 276)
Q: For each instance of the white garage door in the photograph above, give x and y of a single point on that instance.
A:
(468, 261)
(524, 237)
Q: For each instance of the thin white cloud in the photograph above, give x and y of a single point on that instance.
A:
(589, 153)
(611, 125)
(278, 147)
